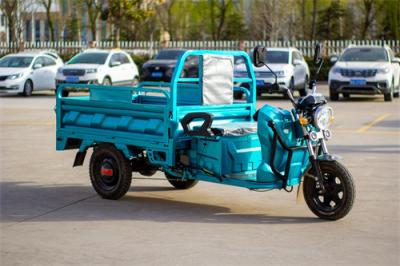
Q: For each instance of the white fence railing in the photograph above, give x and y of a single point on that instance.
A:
(152, 47)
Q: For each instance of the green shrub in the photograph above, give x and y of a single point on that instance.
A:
(323, 74)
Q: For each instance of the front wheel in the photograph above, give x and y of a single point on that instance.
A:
(28, 88)
(338, 198)
(180, 184)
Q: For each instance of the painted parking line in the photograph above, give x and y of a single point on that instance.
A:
(369, 132)
(27, 123)
(373, 122)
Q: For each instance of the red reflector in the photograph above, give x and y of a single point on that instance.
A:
(105, 171)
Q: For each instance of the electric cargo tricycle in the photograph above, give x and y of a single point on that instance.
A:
(193, 130)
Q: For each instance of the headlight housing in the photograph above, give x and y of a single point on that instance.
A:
(15, 76)
(323, 117)
(91, 70)
(336, 70)
(384, 70)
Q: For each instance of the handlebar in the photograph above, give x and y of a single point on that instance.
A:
(290, 95)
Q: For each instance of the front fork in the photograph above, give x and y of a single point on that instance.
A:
(321, 142)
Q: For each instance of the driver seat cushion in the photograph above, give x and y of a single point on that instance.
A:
(235, 129)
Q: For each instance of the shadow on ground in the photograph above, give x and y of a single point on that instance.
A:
(29, 202)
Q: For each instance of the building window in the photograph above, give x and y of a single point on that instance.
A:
(28, 30)
(37, 30)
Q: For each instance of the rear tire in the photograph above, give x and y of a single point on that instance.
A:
(181, 184)
(110, 172)
(337, 201)
(28, 88)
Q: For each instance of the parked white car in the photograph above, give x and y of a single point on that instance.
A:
(289, 66)
(365, 70)
(28, 71)
(93, 66)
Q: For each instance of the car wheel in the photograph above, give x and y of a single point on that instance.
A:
(396, 94)
(107, 82)
(333, 96)
(291, 86)
(389, 95)
(28, 88)
(303, 91)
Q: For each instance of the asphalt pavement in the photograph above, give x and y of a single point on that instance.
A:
(50, 215)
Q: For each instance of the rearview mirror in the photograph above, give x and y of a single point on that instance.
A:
(317, 53)
(115, 63)
(296, 62)
(396, 60)
(36, 66)
(333, 59)
(259, 55)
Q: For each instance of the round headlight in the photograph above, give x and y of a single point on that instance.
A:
(323, 117)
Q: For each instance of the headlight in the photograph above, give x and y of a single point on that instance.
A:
(323, 117)
(60, 70)
(91, 70)
(336, 70)
(15, 76)
(383, 70)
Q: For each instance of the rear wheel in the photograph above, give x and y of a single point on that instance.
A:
(338, 198)
(28, 88)
(180, 184)
(110, 172)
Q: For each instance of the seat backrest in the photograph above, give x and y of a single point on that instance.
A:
(217, 80)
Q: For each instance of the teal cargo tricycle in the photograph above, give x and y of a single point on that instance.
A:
(193, 130)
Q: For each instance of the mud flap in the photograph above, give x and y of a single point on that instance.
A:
(79, 158)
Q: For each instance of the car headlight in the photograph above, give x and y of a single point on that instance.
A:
(15, 76)
(336, 70)
(60, 70)
(323, 117)
(91, 70)
(384, 70)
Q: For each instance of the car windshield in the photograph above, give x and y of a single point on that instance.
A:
(277, 57)
(89, 58)
(364, 55)
(169, 55)
(16, 61)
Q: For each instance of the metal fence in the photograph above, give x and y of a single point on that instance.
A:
(152, 47)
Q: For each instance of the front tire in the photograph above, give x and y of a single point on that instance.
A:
(28, 88)
(388, 97)
(333, 96)
(303, 91)
(338, 198)
(107, 82)
(180, 184)
(110, 172)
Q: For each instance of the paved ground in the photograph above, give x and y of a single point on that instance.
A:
(51, 216)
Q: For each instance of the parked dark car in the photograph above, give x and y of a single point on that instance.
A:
(163, 65)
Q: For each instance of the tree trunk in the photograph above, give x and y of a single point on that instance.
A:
(50, 23)
(314, 20)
